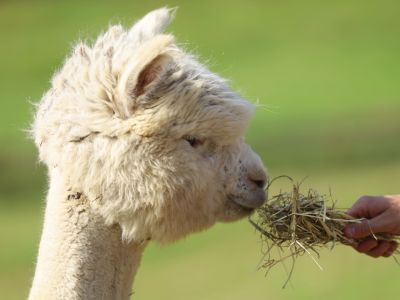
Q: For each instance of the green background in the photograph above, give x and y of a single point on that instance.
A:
(326, 77)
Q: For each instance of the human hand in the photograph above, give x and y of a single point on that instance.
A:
(382, 214)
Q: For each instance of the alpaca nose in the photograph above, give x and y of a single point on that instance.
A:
(259, 179)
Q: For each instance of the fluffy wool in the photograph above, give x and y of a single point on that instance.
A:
(150, 138)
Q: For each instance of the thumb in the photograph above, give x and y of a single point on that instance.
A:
(363, 229)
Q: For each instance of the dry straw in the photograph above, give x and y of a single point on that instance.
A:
(301, 223)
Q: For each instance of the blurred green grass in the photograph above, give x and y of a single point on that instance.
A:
(326, 78)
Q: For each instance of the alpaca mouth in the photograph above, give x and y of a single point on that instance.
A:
(243, 205)
(236, 211)
(250, 203)
(244, 209)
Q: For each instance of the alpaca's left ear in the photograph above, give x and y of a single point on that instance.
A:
(151, 25)
(143, 72)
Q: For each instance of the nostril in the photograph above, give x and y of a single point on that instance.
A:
(258, 178)
(259, 183)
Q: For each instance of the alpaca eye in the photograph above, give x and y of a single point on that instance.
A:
(193, 141)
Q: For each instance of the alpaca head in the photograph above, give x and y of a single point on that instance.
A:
(150, 137)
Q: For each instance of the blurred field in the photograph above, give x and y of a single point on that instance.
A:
(326, 78)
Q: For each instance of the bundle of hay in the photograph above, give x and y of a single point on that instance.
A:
(301, 223)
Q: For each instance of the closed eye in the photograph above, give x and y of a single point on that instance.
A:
(193, 141)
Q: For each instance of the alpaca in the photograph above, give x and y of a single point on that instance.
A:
(141, 143)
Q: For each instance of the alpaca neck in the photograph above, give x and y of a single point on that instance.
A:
(79, 256)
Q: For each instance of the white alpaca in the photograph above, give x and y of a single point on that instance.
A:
(142, 143)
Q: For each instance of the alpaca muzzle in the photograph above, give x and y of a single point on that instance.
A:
(252, 199)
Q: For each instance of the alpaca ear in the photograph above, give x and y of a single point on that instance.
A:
(149, 74)
(146, 68)
(151, 24)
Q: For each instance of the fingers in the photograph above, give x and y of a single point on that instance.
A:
(391, 250)
(376, 248)
(369, 206)
(366, 246)
(380, 250)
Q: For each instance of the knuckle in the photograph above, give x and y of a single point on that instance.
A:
(367, 245)
(375, 252)
(393, 247)
(387, 254)
(364, 198)
(360, 249)
(364, 229)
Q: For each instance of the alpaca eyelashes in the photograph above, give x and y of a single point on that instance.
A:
(193, 141)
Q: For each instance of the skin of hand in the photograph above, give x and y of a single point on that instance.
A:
(382, 215)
